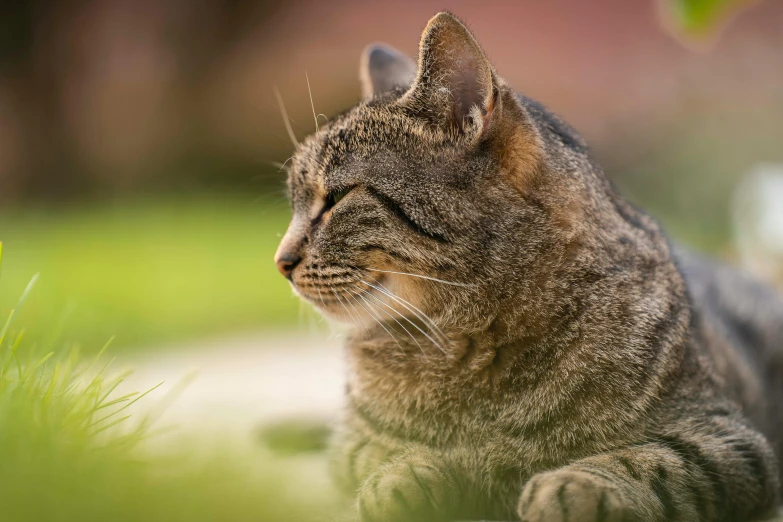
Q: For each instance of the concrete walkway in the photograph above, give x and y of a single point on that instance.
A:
(232, 386)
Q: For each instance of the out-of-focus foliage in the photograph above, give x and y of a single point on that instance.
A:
(702, 16)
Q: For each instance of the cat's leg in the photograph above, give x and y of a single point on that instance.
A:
(406, 483)
(705, 470)
(353, 457)
(415, 485)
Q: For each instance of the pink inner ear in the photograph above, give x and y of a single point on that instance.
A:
(466, 86)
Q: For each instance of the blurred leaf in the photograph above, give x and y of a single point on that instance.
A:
(702, 17)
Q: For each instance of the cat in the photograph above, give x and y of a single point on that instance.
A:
(525, 343)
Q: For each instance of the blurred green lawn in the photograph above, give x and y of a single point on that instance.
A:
(146, 271)
(70, 453)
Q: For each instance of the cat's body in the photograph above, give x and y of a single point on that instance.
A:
(525, 344)
(742, 327)
(739, 324)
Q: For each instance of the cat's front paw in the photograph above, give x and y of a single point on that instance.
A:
(572, 495)
(405, 491)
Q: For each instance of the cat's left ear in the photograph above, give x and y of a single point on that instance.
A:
(455, 86)
(383, 69)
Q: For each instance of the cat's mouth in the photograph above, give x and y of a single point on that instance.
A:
(362, 296)
(350, 295)
(365, 297)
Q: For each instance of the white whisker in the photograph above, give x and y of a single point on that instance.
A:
(286, 121)
(375, 317)
(282, 165)
(413, 337)
(377, 309)
(311, 101)
(355, 312)
(428, 278)
(422, 319)
(341, 304)
(353, 296)
(421, 315)
(321, 297)
(433, 341)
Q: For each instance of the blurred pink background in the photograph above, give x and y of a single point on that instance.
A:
(116, 97)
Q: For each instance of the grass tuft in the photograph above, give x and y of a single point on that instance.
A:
(71, 451)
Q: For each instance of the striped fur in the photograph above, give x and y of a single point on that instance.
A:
(526, 344)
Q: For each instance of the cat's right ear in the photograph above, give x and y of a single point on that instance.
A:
(455, 86)
(383, 69)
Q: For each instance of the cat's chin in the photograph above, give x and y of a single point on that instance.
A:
(346, 308)
(353, 318)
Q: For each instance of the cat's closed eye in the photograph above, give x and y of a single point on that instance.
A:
(335, 196)
(331, 199)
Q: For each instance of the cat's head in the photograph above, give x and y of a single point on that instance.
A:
(442, 194)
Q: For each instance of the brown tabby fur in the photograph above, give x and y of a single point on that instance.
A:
(566, 364)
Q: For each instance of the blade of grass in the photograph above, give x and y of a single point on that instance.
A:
(118, 380)
(37, 365)
(52, 383)
(128, 405)
(19, 304)
(96, 358)
(11, 353)
(103, 428)
(169, 399)
(118, 400)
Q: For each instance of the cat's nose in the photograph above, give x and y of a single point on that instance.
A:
(286, 264)
(289, 251)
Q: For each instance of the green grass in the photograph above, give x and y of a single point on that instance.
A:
(70, 452)
(147, 272)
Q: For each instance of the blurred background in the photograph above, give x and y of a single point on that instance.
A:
(140, 144)
(139, 139)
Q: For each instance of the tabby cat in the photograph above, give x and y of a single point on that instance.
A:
(525, 344)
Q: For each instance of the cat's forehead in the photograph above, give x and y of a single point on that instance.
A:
(363, 130)
(356, 136)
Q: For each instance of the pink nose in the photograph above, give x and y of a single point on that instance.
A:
(286, 264)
